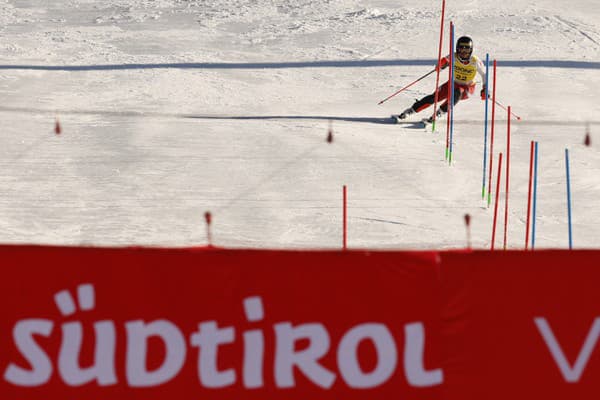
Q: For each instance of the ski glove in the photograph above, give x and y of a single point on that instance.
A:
(482, 93)
(443, 64)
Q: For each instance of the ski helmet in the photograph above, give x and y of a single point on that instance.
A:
(464, 42)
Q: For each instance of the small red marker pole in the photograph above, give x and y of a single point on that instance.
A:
(587, 141)
(345, 218)
(330, 134)
(468, 225)
(57, 128)
(208, 219)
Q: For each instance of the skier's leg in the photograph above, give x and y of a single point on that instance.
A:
(458, 95)
(442, 110)
(418, 106)
(425, 102)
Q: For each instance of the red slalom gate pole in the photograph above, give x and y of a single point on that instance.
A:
(497, 196)
(345, 216)
(529, 195)
(448, 96)
(507, 178)
(438, 69)
(492, 137)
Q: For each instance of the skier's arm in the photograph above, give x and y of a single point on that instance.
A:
(481, 71)
(443, 64)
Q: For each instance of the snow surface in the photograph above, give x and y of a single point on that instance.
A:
(170, 108)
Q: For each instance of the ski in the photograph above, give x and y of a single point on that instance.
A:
(397, 120)
(423, 123)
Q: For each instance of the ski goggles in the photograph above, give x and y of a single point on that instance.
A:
(464, 47)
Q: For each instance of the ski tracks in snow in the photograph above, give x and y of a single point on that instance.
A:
(577, 28)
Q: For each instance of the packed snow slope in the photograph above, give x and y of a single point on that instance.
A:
(171, 108)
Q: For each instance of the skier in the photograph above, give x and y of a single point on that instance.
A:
(466, 66)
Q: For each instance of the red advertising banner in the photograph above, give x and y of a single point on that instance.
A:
(84, 323)
(91, 323)
(521, 325)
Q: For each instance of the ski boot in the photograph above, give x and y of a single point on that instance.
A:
(438, 114)
(406, 113)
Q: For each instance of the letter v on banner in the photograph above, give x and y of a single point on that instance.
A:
(571, 374)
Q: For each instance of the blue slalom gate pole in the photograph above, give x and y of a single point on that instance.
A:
(451, 99)
(487, 74)
(569, 199)
(535, 174)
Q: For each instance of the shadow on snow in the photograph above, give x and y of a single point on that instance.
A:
(299, 64)
(412, 124)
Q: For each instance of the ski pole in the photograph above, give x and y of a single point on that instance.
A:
(506, 108)
(406, 87)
